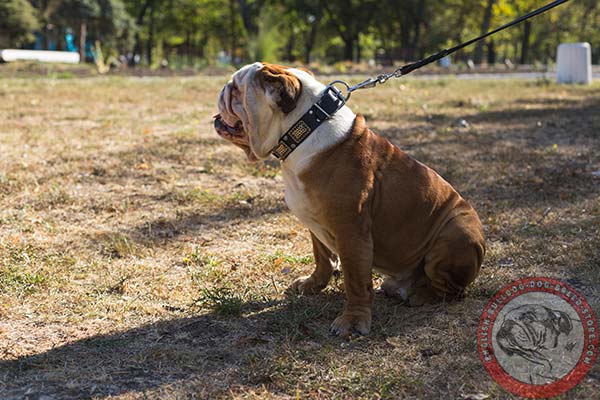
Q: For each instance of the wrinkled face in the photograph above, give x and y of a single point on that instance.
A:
(254, 105)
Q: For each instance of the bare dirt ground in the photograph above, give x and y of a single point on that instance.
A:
(142, 257)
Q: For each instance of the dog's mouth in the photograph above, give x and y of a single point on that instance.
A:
(236, 134)
(221, 126)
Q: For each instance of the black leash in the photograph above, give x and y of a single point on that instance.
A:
(332, 99)
(408, 68)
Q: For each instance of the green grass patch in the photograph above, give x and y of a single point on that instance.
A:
(279, 257)
(240, 197)
(53, 197)
(222, 300)
(197, 196)
(197, 258)
(119, 245)
(203, 267)
(14, 280)
(24, 267)
(264, 169)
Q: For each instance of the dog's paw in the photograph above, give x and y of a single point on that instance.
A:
(348, 323)
(394, 288)
(422, 296)
(306, 285)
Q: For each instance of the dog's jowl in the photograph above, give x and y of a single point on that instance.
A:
(363, 199)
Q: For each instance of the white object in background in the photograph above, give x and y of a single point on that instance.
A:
(39, 55)
(574, 63)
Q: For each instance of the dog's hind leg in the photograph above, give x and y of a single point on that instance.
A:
(452, 264)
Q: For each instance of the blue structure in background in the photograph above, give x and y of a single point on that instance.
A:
(70, 41)
(40, 43)
(89, 50)
(62, 39)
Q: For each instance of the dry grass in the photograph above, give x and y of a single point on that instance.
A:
(140, 256)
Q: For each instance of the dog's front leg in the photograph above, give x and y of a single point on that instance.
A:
(356, 256)
(320, 277)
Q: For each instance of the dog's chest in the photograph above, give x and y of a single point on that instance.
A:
(303, 208)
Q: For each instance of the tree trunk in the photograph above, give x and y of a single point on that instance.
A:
(82, 39)
(232, 44)
(137, 48)
(459, 23)
(417, 36)
(150, 43)
(201, 45)
(348, 48)
(245, 11)
(491, 53)
(525, 42)
(310, 43)
(406, 50)
(187, 44)
(289, 48)
(46, 34)
(405, 31)
(485, 26)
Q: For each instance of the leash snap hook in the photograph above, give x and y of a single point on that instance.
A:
(366, 84)
(382, 78)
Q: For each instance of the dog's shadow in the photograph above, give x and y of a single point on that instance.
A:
(203, 353)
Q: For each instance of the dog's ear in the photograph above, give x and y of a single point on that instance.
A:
(282, 87)
(562, 322)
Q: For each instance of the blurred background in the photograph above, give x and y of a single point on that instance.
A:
(343, 35)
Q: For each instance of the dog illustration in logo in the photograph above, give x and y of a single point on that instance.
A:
(531, 331)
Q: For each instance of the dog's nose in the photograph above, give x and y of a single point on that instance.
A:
(218, 124)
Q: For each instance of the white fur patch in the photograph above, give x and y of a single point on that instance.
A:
(324, 137)
(266, 124)
(300, 205)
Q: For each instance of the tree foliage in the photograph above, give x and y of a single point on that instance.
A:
(17, 22)
(106, 20)
(205, 31)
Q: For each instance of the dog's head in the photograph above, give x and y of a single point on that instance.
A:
(258, 103)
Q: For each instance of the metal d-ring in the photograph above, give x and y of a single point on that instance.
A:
(338, 92)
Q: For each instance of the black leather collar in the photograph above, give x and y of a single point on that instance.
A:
(331, 100)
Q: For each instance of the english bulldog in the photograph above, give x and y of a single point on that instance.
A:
(367, 203)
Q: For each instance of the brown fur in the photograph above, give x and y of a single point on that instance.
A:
(378, 208)
(388, 211)
(288, 85)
